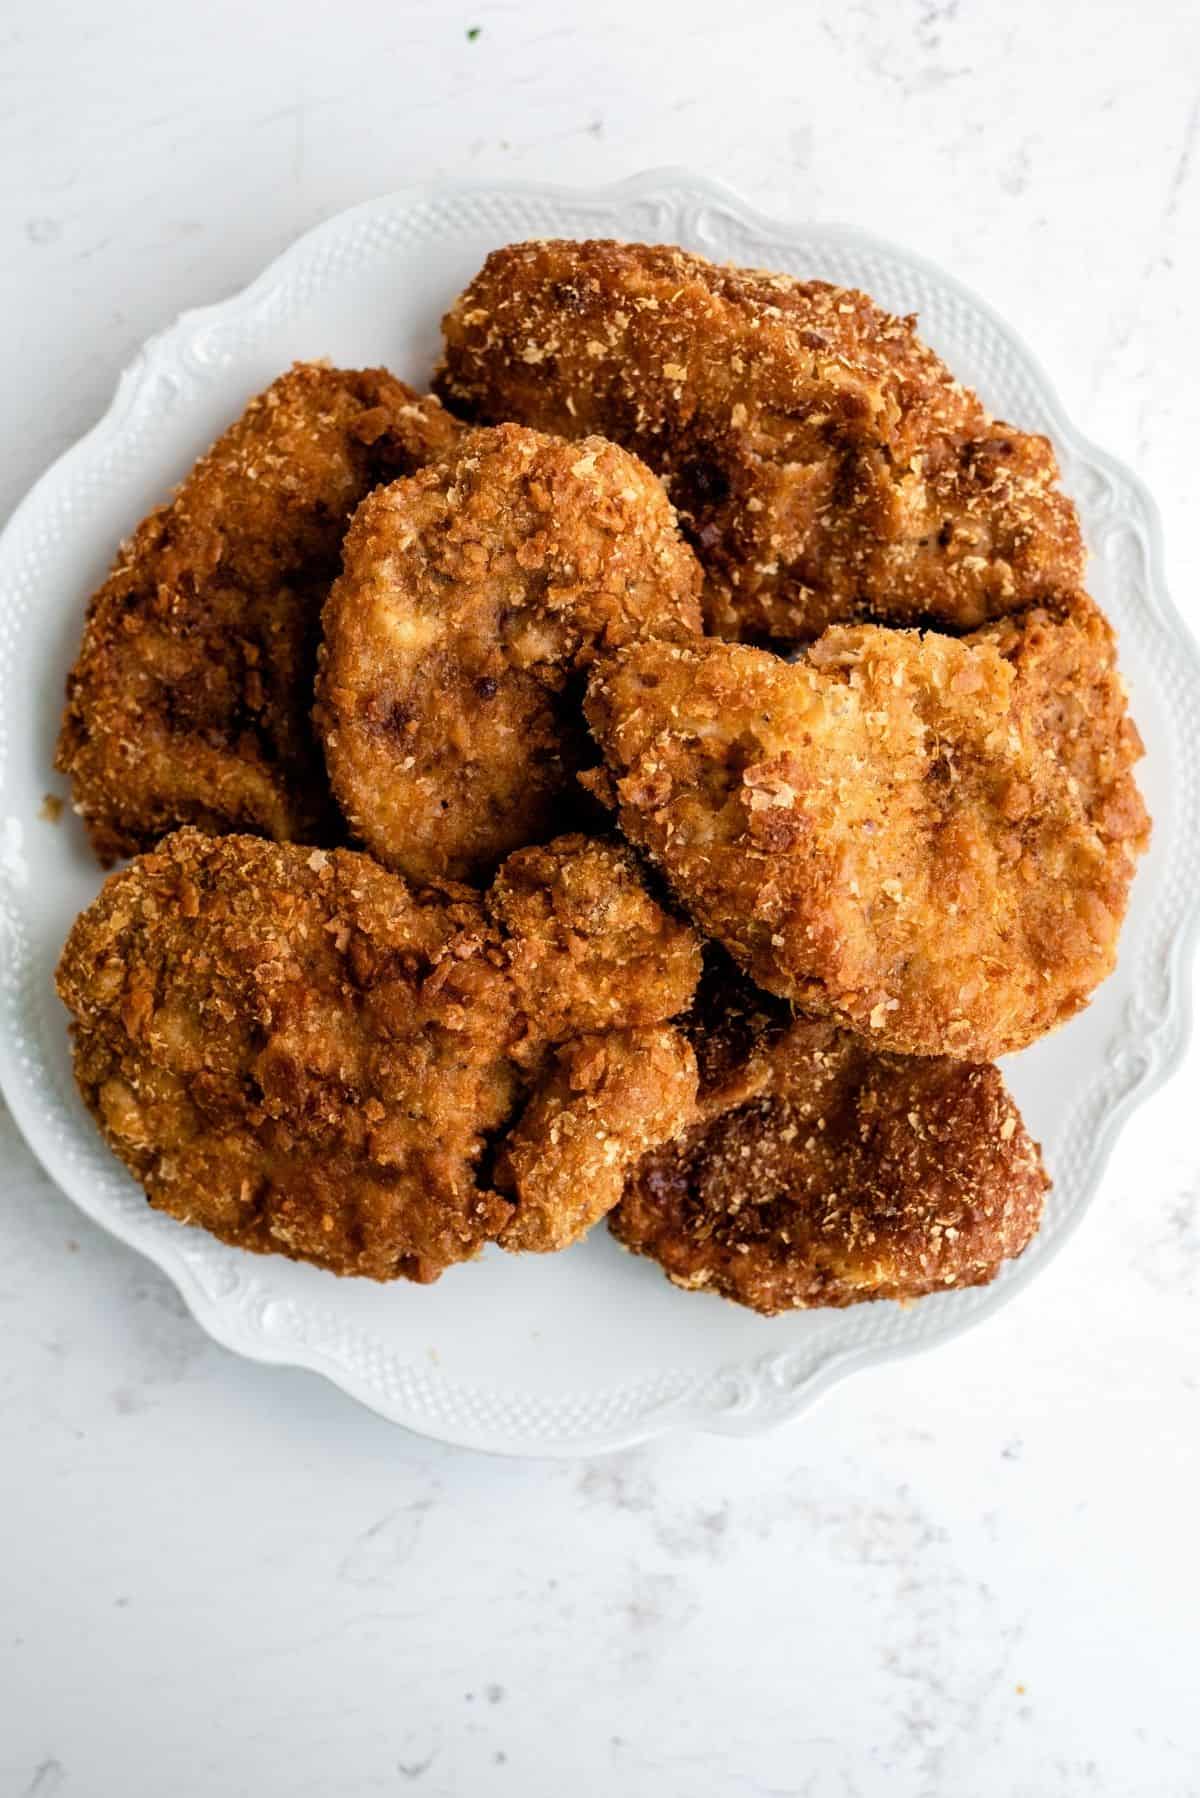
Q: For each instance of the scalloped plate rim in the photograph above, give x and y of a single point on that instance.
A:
(228, 1325)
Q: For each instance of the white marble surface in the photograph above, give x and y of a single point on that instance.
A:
(972, 1576)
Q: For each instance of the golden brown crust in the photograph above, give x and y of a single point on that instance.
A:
(190, 697)
(589, 949)
(472, 598)
(824, 461)
(821, 1173)
(607, 1100)
(303, 1054)
(290, 1048)
(1065, 664)
(909, 835)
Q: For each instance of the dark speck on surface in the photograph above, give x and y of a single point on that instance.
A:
(414, 1769)
(48, 1777)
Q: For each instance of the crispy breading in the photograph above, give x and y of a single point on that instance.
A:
(822, 1173)
(589, 949)
(825, 463)
(190, 698)
(292, 1049)
(1065, 663)
(607, 1101)
(473, 596)
(906, 834)
(305, 1054)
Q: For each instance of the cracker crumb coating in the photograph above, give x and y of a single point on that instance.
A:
(588, 947)
(922, 838)
(823, 1173)
(825, 463)
(473, 597)
(189, 701)
(306, 1055)
(1064, 663)
(607, 1100)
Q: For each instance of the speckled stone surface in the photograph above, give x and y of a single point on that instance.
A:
(969, 1574)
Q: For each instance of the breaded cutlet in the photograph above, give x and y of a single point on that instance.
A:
(307, 1055)
(823, 1173)
(189, 700)
(825, 463)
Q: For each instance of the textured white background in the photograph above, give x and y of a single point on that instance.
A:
(973, 1576)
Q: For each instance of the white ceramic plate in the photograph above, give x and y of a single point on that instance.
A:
(593, 1348)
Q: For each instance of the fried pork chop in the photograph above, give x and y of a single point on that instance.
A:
(307, 1055)
(917, 837)
(189, 701)
(823, 1173)
(473, 597)
(826, 464)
